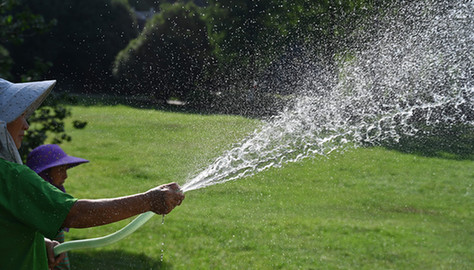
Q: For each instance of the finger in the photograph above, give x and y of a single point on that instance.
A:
(176, 201)
(50, 254)
(180, 197)
(173, 186)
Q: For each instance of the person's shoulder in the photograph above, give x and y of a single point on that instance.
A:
(7, 167)
(13, 174)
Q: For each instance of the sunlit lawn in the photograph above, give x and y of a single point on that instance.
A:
(362, 209)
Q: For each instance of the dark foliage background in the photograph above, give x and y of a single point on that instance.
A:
(214, 56)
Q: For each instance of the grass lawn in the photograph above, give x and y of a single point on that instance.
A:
(366, 208)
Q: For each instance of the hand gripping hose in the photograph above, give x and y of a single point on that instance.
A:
(105, 240)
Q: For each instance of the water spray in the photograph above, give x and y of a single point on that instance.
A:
(410, 78)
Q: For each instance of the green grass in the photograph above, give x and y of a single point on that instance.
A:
(366, 208)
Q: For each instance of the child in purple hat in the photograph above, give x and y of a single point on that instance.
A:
(51, 163)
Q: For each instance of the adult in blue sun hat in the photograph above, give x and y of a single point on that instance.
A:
(32, 211)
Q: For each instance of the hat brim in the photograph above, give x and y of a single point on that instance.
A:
(70, 161)
(45, 88)
(24, 98)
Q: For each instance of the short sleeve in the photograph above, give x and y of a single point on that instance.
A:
(35, 202)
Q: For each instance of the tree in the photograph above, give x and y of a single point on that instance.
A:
(253, 39)
(16, 24)
(255, 33)
(83, 45)
(243, 34)
(145, 4)
(48, 122)
(168, 58)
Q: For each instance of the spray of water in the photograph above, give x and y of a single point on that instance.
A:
(416, 71)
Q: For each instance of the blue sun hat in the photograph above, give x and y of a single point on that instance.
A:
(51, 155)
(19, 98)
(16, 99)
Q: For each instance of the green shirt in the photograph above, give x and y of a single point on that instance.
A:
(30, 209)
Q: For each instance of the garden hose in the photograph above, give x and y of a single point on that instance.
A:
(105, 240)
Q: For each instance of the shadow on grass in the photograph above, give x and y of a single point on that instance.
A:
(116, 260)
(445, 142)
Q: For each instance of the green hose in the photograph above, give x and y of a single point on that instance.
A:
(105, 240)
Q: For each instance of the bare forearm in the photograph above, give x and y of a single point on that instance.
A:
(90, 213)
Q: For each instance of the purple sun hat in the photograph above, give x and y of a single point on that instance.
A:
(51, 155)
